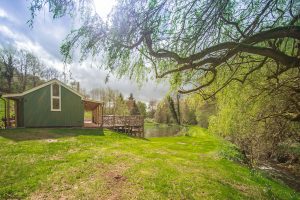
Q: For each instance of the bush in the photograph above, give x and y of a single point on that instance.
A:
(254, 118)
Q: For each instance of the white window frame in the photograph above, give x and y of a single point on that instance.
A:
(55, 97)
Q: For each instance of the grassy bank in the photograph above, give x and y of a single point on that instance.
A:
(74, 163)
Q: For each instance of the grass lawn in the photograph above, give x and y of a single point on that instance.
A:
(88, 164)
(88, 115)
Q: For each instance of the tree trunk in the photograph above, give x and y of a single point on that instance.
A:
(34, 81)
(7, 113)
(172, 109)
(24, 81)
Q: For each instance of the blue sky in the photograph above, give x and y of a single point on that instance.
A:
(45, 38)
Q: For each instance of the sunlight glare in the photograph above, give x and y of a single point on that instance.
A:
(103, 7)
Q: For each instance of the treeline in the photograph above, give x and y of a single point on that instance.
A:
(116, 104)
(21, 70)
(186, 110)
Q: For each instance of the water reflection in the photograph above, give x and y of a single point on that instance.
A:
(161, 131)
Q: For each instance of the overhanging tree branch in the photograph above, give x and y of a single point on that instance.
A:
(189, 37)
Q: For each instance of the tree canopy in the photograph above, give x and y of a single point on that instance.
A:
(186, 41)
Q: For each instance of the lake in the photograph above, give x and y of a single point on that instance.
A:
(161, 131)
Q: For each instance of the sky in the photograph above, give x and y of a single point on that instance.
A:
(45, 38)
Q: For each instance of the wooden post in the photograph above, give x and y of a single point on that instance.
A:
(16, 113)
(98, 114)
(97, 111)
(8, 113)
(102, 110)
(127, 123)
(114, 121)
(93, 117)
(5, 111)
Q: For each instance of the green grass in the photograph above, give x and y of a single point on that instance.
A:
(89, 164)
(88, 115)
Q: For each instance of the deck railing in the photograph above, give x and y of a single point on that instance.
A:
(117, 120)
(129, 124)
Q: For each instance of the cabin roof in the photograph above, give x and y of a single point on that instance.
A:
(17, 95)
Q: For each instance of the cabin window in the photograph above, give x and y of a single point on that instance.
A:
(55, 97)
(55, 90)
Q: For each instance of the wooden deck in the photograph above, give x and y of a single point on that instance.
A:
(131, 125)
(89, 124)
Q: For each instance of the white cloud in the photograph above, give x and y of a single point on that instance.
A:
(5, 15)
(6, 31)
(20, 41)
(92, 77)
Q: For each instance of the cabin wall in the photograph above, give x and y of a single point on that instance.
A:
(37, 109)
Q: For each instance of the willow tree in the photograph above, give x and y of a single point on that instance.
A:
(186, 41)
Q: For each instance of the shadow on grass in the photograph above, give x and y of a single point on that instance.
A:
(23, 134)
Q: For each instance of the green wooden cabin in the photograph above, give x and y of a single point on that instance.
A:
(52, 104)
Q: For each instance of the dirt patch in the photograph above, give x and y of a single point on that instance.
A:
(246, 189)
(56, 157)
(115, 182)
(51, 140)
